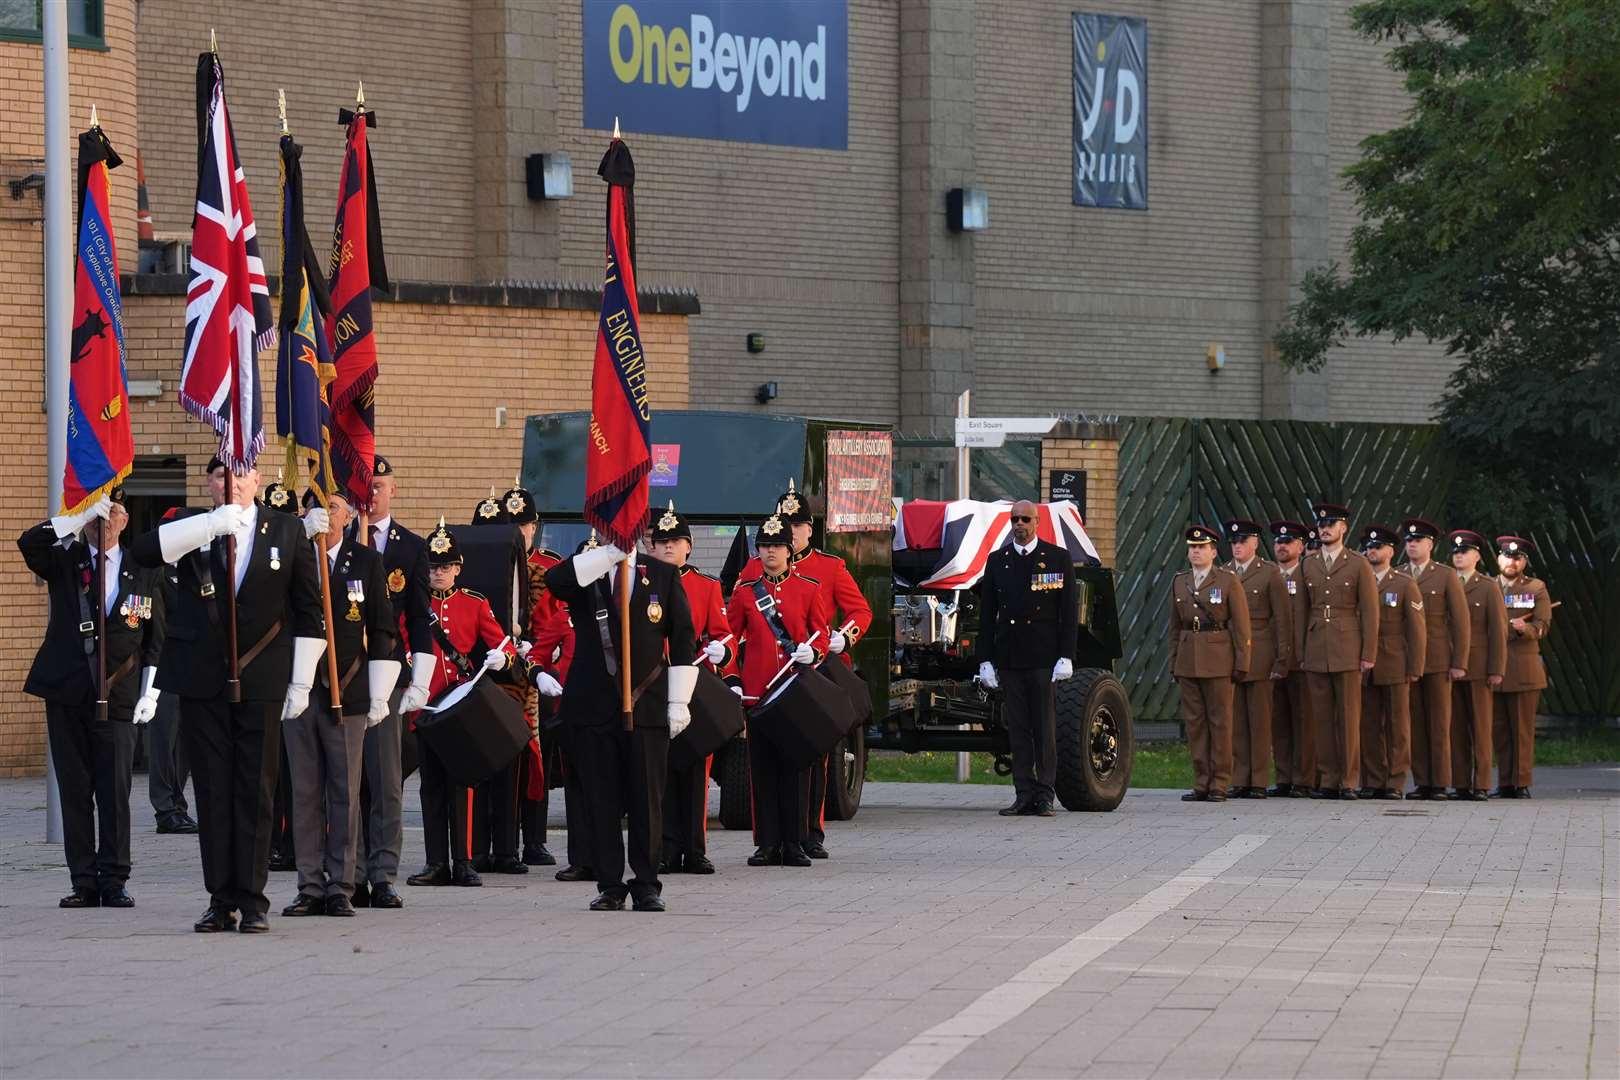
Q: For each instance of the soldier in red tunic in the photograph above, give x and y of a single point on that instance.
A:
(848, 613)
(779, 790)
(552, 653)
(462, 620)
(686, 797)
(534, 796)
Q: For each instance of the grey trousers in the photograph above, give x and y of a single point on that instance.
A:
(384, 827)
(324, 756)
(166, 767)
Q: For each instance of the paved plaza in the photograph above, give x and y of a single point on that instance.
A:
(1252, 939)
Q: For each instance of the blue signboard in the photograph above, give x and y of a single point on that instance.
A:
(745, 70)
(1110, 111)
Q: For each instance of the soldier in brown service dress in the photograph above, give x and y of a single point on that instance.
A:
(1386, 720)
(1487, 660)
(1209, 650)
(1339, 643)
(1271, 627)
(1529, 612)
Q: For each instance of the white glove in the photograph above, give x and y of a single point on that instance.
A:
(523, 648)
(682, 681)
(224, 520)
(178, 539)
(146, 707)
(548, 686)
(592, 564)
(714, 653)
(316, 521)
(987, 675)
(416, 694)
(803, 653)
(494, 660)
(68, 524)
(1063, 669)
(307, 652)
(837, 642)
(381, 677)
(736, 690)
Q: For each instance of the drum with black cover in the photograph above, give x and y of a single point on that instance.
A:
(717, 715)
(802, 719)
(476, 730)
(854, 687)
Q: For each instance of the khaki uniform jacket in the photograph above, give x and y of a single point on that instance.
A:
(1209, 627)
(1446, 613)
(1487, 627)
(1271, 620)
(1526, 598)
(1341, 625)
(1294, 589)
(1402, 630)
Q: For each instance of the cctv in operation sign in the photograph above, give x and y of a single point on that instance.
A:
(743, 70)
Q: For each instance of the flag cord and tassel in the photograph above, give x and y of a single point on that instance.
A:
(627, 580)
(101, 614)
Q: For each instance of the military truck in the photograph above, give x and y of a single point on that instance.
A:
(725, 471)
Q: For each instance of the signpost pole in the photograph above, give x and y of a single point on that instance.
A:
(964, 762)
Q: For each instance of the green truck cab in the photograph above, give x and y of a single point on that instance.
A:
(725, 470)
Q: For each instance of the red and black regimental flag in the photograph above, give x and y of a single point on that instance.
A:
(619, 456)
(357, 267)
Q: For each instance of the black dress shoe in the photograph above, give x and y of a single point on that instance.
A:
(1348, 794)
(698, 864)
(254, 924)
(1044, 808)
(1257, 793)
(1195, 796)
(362, 895)
(1473, 794)
(1523, 793)
(767, 856)
(80, 898)
(1215, 796)
(214, 920)
(482, 864)
(172, 824)
(339, 905)
(669, 866)
(576, 873)
(1505, 792)
(539, 856)
(814, 849)
(1387, 794)
(304, 905)
(430, 875)
(647, 903)
(116, 896)
(465, 876)
(1323, 793)
(1365, 792)
(383, 895)
(508, 864)
(794, 856)
(606, 902)
(1299, 791)
(1018, 808)
(281, 861)
(1282, 791)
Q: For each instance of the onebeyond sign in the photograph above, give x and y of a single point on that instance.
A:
(751, 71)
(1110, 112)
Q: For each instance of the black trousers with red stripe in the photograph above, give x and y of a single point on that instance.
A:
(686, 811)
(495, 813)
(446, 812)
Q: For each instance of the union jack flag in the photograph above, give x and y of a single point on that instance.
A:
(228, 314)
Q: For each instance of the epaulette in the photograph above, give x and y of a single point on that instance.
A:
(807, 577)
(549, 554)
(1182, 573)
(827, 554)
(690, 569)
(474, 595)
(750, 581)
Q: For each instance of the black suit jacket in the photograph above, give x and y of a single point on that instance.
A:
(1029, 607)
(591, 695)
(363, 629)
(62, 672)
(405, 567)
(280, 591)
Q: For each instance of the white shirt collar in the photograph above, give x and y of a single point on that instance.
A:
(1026, 549)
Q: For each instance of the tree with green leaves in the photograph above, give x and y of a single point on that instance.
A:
(1490, 222)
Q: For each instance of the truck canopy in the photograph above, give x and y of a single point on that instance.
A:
(946, 544)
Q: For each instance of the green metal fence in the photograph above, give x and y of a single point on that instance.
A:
(1175, 471)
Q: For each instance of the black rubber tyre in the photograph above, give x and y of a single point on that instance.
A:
(845, 778)
(731, 773)
(1095, 741)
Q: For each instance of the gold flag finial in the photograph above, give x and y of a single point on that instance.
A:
(213, 42)
(360, 97)
(281, 110)
(616, 127)
(94, 122)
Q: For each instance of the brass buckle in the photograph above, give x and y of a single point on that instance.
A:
(87, 628)
(207, 590)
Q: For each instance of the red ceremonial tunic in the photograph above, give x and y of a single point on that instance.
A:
(803, 612)
(542, 605)
(466, 619)
(708, 614)
(554, 645)
(847, 609)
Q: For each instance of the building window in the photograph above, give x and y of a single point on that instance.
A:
(21, 20)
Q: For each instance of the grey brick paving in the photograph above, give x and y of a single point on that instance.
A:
(1468, 940)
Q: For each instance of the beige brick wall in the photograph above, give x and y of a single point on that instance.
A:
(1099, 457)
(445, 370)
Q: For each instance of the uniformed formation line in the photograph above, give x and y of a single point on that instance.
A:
(926, 1054)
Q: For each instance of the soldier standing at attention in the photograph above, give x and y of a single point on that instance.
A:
(1529, 618)
(1029, 621)
(1293, 748)
(1340, 645)
(1209, 651)
(1487, 661)
(1271, 627)
(1386, 723)
(1445, 615)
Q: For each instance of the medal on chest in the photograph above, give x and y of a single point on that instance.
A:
(134, 609)
(1392, 600)
(655, 610)
(1215, 596)
(396, 581)
(357, 593)
(275, 558)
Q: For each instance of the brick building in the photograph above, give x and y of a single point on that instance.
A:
(870, 306)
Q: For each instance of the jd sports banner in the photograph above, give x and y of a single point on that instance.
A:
(1110, 111)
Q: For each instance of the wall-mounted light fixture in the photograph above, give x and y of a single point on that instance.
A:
(550, 176)
(1215, 357)
(766, 393)
(967, 209)
(756, 343)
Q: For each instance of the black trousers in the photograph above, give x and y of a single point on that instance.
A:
(93, 760)
(495, 813)
(1030, 709)
(532, 811)
(446, 812)
(780, 791)
(235, 754)
(686, 810)
(815, 806)
(623, 773)
(281, 817)
(576, 805)
(166, 767)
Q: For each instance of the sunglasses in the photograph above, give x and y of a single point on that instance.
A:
(1021, 517)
